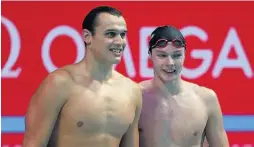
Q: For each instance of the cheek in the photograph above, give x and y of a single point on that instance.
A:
(179, 63)
(157, 63)
(162, 62)
(124, 42)
(107, 41)
(102, 47)
(101, 42)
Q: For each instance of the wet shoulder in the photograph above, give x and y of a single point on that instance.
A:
(73, 70)
(206, 94)
(149, 99)
(55, 87)
(60, 77)
(198, 89)
(146, 86)
(148, 93)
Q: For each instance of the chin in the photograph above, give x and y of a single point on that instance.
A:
(116, 61)
(166, 80)
(171, 78)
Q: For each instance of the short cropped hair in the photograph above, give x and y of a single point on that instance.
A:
(90, 21)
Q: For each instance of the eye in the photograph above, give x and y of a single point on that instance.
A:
(123, 35)
(176, 55)
(111, 34)
(162, 55)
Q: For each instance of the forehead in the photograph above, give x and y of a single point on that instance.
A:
(169, 48)
(107, 21)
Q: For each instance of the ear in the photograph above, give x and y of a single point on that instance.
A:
(150, 54)
(87, 36)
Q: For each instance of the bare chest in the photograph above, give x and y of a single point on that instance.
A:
(177, 120)
(106, 110)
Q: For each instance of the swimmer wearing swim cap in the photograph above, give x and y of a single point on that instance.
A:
(177, 113)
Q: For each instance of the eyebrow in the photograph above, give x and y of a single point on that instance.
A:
(161, 52)
(115, 30)
(178, 51)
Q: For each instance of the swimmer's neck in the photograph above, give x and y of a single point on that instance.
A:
(99, 71)
(170, 88)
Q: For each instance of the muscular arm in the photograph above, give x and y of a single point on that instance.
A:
(215, 133)
(44, 109)
(131, 137)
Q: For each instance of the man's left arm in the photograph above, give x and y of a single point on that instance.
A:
(215, 132)
(131, 137)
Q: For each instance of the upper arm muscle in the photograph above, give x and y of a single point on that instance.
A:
(131, 138)
(215, 133)
(44, 108)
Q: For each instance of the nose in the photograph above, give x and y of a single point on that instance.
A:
(119, 40)
(170, 61)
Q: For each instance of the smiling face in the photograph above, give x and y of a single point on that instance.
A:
(109, 40)
(167, 61)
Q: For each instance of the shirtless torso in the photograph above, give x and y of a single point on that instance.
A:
(88, 113)
(175, 121)
(88, 104)
(177, 113)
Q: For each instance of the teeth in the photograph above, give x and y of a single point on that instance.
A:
(170, 70)
(116, 50)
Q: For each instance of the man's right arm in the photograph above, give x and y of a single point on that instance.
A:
(44, 108)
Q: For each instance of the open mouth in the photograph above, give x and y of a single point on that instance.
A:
(170, 71)
(115, 50)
